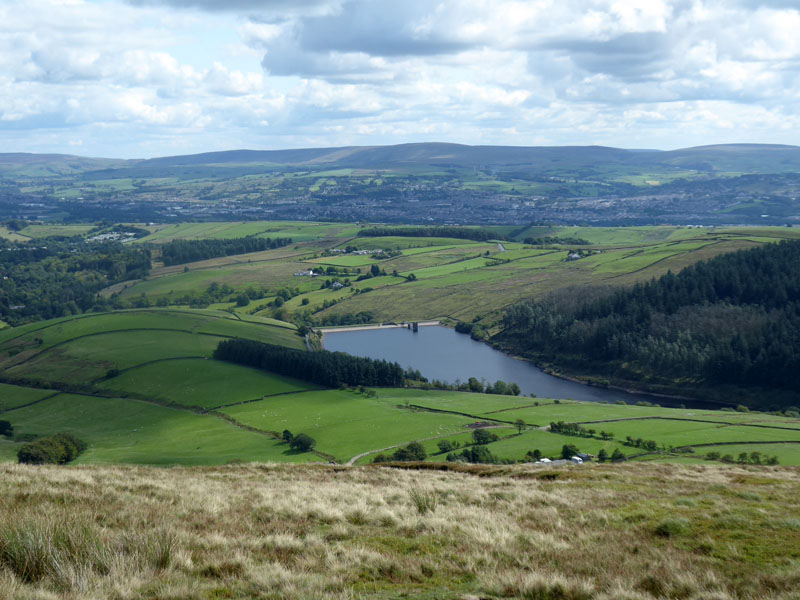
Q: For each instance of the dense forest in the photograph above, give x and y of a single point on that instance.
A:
(463, 233)
(330, 369)
(178, 252)
(734, 319)
(52, 277)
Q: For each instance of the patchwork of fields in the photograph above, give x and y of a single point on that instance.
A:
(140, 387)
(430, 277)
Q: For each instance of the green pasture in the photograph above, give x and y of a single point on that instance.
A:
(117, 185)
(41, 231)
(345, 423)
(202, 382)
(624, 262)
(13, 396)
(277, 256)
(408, 244)
(132, 431)
(611, 236)
(516, 446)
(454, 267)
(81, 348)
(8, 450)
(272, 274)
(65, 328)
(298, 231)
(425, 249)
(345, 261)
(208, 322)
(786, 233)
(687, 433)
(519, 253)
(318, 296)
(89, 358)
(466, 402)
(13, 236)
(788, 454)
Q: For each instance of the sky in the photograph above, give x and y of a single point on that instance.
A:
(144, 78)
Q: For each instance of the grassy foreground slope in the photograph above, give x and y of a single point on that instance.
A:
(275, 532)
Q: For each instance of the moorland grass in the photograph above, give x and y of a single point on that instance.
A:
(291, 533)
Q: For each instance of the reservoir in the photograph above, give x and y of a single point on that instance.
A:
(442, 353)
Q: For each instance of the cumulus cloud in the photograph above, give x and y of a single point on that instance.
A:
(282, 7)
(142, 77)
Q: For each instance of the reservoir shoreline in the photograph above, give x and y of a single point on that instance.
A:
(449, 356)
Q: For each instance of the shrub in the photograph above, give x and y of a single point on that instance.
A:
(474, 454)
(6, 428)
(533, 455)
(483, 436)
(302, 442)
(568, 451)
(242, 300)
(446, 446)
(56, 449)
(413, 452)
(617, 455)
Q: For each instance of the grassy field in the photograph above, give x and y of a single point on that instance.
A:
(13, 236)
(275, 532)
(157, 361)
(132, 431)
(346, 423)
(202, 382)
(41, 231)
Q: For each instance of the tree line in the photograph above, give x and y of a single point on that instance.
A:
(734, 319)
(330, 369)
(177, 252)
(548, 240)
(464, 233)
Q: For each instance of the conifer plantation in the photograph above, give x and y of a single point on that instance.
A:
(732, 320)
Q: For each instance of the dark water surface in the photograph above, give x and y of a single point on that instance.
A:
(442, 353)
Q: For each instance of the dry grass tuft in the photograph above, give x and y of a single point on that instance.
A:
(289, 532)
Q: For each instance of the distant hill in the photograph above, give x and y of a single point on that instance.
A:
(750, 158)
(735, 158)
(416, 183)
(47, 165)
